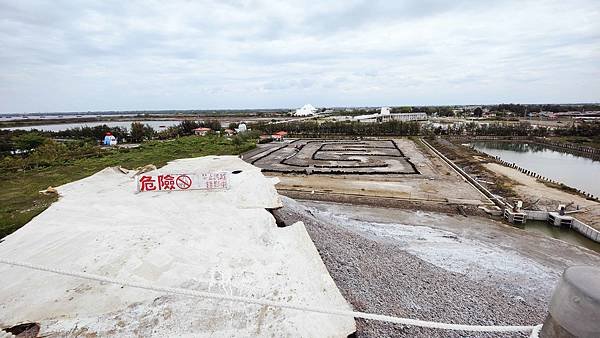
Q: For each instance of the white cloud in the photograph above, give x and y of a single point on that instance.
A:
(99, 55)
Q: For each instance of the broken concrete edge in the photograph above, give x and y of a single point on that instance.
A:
(250, 202)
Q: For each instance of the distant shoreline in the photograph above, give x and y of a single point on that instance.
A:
(34, 120)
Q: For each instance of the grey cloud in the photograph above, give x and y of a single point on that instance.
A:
(97, 55)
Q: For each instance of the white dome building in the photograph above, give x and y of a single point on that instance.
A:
(306, 110)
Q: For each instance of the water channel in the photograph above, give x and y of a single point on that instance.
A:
(156, 124)
(575, 171)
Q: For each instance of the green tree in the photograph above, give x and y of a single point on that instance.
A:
(149, 132)
(137, 132)
(213, 124)
(187, 127)
(29, 141)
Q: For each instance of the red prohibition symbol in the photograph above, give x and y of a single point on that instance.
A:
(183, 182)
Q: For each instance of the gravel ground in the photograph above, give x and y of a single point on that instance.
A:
(378, 276)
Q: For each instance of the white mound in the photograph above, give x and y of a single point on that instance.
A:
(224, 242)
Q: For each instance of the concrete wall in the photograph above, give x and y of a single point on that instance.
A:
(577, 225)
(536, 215)
(586, 230)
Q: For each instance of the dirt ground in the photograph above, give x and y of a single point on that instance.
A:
(436, 182)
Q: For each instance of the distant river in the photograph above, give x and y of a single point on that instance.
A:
(575, 171)
(157, 125)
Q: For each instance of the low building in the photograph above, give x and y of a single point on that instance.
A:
(229, 132)
(279, 136)
(109, 139)
(202, 131)
(385, 115)
(306, 110)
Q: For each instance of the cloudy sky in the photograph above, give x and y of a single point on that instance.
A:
(129, 55)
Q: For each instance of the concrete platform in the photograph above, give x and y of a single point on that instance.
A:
(225, 242)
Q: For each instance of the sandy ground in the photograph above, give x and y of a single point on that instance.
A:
(549, 198)
(435, 266)
(437, 182)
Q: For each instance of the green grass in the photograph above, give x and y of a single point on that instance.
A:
(20, 199)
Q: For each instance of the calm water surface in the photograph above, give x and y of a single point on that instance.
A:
(157, 125)
(575, 171)
(564, 234)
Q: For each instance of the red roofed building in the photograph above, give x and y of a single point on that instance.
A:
(201, 131)
(279, 136)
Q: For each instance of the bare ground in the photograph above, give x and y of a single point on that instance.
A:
(436, 181)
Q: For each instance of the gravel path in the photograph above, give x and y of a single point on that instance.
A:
(378, 276)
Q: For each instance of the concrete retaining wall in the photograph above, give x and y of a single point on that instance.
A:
(586, 230)
(577, 225)
(536, 215)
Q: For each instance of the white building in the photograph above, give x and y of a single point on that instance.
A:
(241, 128)
(385, 115)
(306, 110)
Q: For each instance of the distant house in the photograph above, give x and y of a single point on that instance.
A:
(109, 139)
(202, 131)
(306, 110)
(241, 128)
(229, 132)
(279, 136)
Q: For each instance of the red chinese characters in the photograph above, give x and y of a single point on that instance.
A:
(178, 182)
(166, 182)
(147, 183)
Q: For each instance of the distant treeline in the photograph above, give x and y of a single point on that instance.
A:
(518, 110)
(21, 141)
(493, 129)
(316, 129)
(20, 149)
(398, 128)
(585, 129)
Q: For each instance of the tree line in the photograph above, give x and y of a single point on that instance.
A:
(353, 128)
